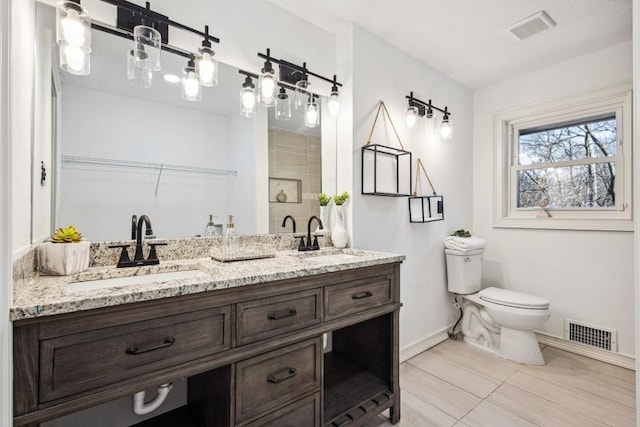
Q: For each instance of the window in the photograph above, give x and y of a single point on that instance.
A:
(566, 163)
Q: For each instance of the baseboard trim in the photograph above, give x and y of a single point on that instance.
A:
(617, 359)
(424, 344)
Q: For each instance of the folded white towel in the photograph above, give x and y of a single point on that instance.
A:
(464, 244)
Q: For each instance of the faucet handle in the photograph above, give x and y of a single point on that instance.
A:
(315, 245)
(124, 255)
(152, 252)
(301, 246)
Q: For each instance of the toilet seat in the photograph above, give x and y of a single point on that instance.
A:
(513, 299)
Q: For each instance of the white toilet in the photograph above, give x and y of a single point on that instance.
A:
(495, 319)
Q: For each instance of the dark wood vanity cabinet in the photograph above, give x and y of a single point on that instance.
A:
(253, 355)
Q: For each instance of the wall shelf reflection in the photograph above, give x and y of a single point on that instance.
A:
(160, 167)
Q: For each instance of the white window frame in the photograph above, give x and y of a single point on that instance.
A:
(614, 99)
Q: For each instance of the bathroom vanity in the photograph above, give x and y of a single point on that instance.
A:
(248, 336)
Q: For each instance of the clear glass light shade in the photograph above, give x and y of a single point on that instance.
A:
(283, 106)
(333, 103)
(311, 114)
(138, 76)
(303, 88)
(446, 129)
(73, 25)
(267, 89)
(411, 117)
(75, 60)
(248, 102)
(191, 88)
(431, 123)
(207, 67)
(149, 41)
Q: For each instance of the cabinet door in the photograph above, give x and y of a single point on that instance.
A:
(272, 379)
(267, 317)
(74, 363)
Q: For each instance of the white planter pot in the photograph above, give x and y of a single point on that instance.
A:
(339, 235)
(324, 217)
(63, 259)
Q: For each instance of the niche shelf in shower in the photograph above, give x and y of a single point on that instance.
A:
(160, 167)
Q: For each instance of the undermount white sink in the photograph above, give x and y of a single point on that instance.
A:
(92, 285)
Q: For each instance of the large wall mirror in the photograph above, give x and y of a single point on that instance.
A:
(117, 150)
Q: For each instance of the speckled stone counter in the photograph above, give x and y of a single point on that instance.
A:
(49, 295)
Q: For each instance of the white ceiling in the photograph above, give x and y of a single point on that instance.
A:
(468, 40)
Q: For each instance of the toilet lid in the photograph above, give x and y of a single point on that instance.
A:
(513, 299)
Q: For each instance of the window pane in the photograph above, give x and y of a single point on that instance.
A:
(583, 186)
(586, 139)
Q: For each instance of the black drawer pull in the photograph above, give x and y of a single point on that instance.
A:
(282, 376)
(362, 295)
(135, 350)
(277, 316)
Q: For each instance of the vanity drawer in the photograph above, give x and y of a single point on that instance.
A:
(83, 361)
(305, 412)
(267, 317)
(353, 297)
(266, 381)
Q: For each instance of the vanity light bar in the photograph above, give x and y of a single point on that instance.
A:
(302, 70)
(423, 107)
(130, 15)
(280, 83)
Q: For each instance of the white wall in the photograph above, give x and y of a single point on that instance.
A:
(636, 181)
(100, 200)
(586, 275)
(6, 374)
(21, 63)
(382, 223)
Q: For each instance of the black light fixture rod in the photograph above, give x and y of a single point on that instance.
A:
(297, 67)
(292, 87)
(248, 74)
(128, 36)
(415, 100)
(144, 12)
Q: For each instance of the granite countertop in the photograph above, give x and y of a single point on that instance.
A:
(50, 295)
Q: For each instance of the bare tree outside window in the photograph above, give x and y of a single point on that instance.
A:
(568, 166)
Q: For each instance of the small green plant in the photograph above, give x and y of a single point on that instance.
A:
(461, 233)
(323, 199)
(339, 199)
(66, 235)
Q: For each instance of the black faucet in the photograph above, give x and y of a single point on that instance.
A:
(138, 258)
(310, 246)
(284, 222)
(134, 226)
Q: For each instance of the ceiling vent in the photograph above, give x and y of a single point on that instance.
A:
(534, 24)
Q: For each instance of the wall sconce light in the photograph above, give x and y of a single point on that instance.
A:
(141, 77)
(147, 44)
(418, 108)
(191, 88)
(283, 105)
(446, 127)
(248, 96)
(73, 35)
(334, 98)
(311, 112)
(206, 65)
(303, 87)
(267, 83)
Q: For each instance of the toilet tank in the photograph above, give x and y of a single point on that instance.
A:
(464, 270)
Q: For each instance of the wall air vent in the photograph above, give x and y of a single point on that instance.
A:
(534, 24)
(591, 335)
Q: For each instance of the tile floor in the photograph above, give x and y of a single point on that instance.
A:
(456, 384)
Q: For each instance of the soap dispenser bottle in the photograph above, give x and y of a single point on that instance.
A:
(211, 230)
(231, 237)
